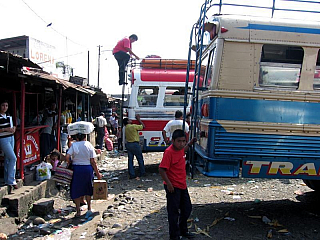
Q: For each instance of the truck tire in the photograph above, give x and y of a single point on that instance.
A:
(313, 184)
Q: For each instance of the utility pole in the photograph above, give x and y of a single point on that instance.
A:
(88, 67)
(99, 64)
(99, 54)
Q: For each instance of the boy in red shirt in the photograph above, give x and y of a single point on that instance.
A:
(173, 172)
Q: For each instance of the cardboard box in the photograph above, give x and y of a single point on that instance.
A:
(100, 189)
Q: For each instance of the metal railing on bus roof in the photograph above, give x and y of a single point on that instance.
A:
(280, 6)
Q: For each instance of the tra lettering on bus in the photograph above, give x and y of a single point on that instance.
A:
(283, 168)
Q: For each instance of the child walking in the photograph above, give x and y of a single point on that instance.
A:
(119, 137)
(173, 172)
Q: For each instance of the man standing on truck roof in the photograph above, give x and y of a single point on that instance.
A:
(173, 125)
(120, 53)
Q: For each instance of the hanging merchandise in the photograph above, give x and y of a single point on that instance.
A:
(69, 117)
(63, 120)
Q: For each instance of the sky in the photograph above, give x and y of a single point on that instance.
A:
(163, 28)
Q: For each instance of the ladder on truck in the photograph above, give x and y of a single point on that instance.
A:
(197, 32)
(131, 64)
(300, 9)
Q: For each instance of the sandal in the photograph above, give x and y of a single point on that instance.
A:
(88, 214)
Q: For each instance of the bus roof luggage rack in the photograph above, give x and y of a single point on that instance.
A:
(296, 9)
(166, 63)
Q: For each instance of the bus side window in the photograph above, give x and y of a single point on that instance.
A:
(174, 96)
(316, 81)
(280, 66)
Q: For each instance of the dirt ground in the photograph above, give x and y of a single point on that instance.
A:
(223, 208)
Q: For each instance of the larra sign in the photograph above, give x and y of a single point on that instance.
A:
(38, 56)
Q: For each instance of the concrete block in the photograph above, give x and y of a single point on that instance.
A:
(29, 177)
(43, 207)
(21, 200)
(5, 190)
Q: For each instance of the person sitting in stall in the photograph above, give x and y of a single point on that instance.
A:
(54, 160)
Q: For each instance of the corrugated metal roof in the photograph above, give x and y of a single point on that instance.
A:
(65, 84)
(68, 84)
(26, 67)
(7, 58)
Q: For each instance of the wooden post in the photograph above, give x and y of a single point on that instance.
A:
(59, 118)
(76, 111)
(22, 111)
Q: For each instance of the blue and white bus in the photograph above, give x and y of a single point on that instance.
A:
(257, 112)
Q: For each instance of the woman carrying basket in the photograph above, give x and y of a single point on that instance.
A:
(83, 162)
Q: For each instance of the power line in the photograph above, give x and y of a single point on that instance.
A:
(34, 12)
(50, 25)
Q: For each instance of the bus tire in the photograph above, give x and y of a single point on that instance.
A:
(313, 184)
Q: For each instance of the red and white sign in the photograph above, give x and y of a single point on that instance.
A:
(31, 149)
(42, 54)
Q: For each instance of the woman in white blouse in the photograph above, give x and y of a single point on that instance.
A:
(83, 156)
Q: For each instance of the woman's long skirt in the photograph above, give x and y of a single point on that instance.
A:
(82, 180)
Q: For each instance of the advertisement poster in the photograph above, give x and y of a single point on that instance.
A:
(43, 54)
(31, 149)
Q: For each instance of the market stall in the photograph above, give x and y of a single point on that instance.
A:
(29, 89)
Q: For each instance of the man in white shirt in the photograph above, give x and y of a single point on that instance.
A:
(173, 125)
(101, 123)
